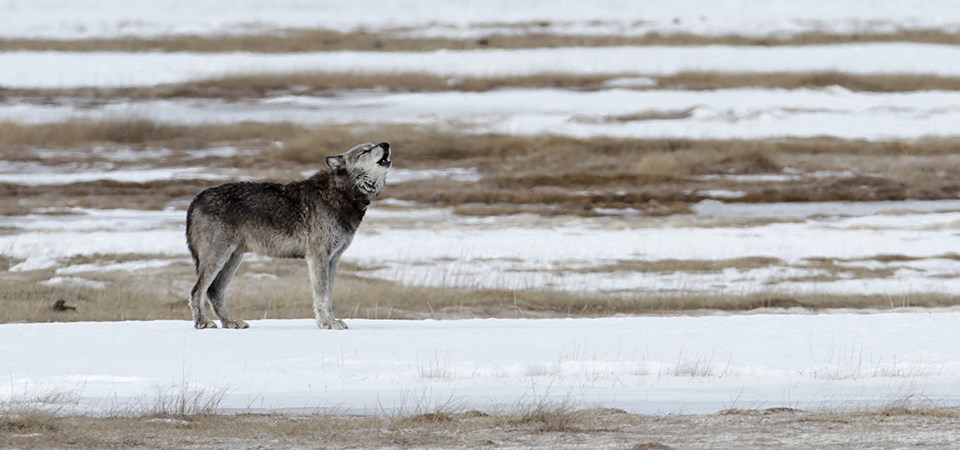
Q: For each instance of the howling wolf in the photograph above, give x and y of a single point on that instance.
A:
(314, 219)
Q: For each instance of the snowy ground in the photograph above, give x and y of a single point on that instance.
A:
(72, 19)
(652, 365)
(658, 365)
(27, 69)
(719, 114)
(433, 247)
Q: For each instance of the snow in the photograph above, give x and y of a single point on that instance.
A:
(71, 19)
(434, 247)
(652, 365)
(461, 174)
(719, 114)
(37, 174)
(73, 281)
(48, 238)
(808, 209)
(26, 69)
(129, 266)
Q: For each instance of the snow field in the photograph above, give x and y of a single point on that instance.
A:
(651, 365)
(436, 248)
(26, 69)
(720, 114)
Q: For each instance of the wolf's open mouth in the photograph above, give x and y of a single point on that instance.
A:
(385, 160)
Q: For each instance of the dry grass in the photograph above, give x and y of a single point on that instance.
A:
(533, 35)
(279, 289)
(595, 428)
(320, 83)
(548, 175)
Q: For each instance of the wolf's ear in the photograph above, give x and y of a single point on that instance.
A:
(337, 163)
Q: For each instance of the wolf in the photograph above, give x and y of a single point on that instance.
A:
(314, 219)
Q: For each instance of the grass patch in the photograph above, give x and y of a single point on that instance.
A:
(548, 417)
(547, 175)
(184, 402)
(575, 428)
(161, 293)
(532, 35)
(236, 87)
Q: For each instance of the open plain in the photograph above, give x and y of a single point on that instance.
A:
(626, 226)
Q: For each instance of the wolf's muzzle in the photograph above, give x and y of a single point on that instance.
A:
(385, 160)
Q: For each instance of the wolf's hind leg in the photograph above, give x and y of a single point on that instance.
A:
(218, 290)
(208, 267)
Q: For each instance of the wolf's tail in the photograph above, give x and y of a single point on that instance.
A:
(193, 251)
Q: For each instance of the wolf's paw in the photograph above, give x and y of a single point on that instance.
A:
(237, 324)
(202, 324)
(335, 324)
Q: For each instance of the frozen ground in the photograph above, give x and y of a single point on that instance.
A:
(27, 69)
(72, 19)
(433, 247)
(658, 365)
(719, 114)
(651, 365)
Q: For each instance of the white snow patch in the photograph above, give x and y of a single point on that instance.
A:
(630, 82)
(714, 208)
(129, 266)
(722, 193)
(435, 247)
(74, 281)
(720, 114)
(47, 175)
(653, 365)
(467, 175)
(25, 69)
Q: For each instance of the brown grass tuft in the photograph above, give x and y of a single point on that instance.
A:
(531, 35)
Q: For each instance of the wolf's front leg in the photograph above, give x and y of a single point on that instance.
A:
(321, 279)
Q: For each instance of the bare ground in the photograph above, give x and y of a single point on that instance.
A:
(599, 428)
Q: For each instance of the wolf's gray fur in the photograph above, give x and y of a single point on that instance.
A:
(313, 219)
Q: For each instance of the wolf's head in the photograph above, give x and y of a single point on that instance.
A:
(366, 165)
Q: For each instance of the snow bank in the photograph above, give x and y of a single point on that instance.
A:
(104, 69)
(438, 248)
(719, 114)
(652, 365)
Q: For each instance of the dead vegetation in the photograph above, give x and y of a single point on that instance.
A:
(532, 35)
(589, 428)
(546, 175)
(237, 87)
(277, 289)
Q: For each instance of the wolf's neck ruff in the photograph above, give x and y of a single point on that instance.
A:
(369, 186)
